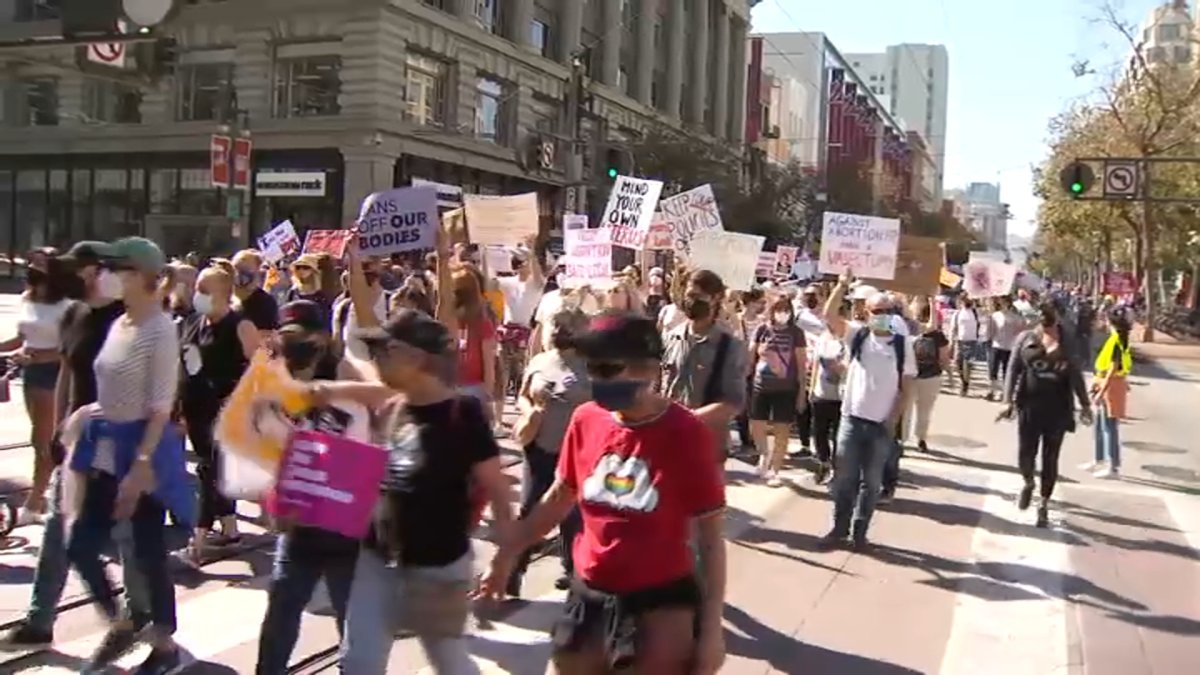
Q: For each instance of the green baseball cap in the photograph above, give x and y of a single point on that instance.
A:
(141, 253)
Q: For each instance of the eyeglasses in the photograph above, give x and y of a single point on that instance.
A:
(606, 369)
(877, 311)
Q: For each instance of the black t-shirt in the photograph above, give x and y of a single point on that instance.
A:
(926, 348)
(427, 487)
(223, 361)
(84, 329)
(1046, 382)
(260, 309)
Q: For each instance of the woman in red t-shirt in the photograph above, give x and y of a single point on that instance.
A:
(628, 461)
(476, 337)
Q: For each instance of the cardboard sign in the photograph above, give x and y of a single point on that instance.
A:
(660, 237)
(731, 255)
(918, 267)
(280, 242)
(765, 269)
(455, 223)
(865, 245)
(627, 237)
(332, 242)
(785, 259)
(501, 221)
(587, 258)
(631, 203)
(688, 213)
(328, 482)
(948, 278)
(1119, 283)
(988, 278)
(401, 219)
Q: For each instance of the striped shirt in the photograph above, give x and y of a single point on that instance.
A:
(137, 370)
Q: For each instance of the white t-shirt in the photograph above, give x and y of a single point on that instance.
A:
(872, 383)
(552, 302)
(521, 299)
(670, 317)
(357, 349)
(964, 325)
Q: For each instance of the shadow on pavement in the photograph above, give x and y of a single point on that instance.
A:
(965, 516)
(948, 458)
(1163, 485)
(792, 540)
(1176, 625)
(753, 640)
(1140, 544)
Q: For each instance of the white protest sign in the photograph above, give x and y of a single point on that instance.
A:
(587, 258)
(627, 237)
(660, 237)
(731, 255)
(574, 221)
(631, 203)
(765, 268)
(501, 221)
(785, 259)
(279, 242)
(401, 219)
(688, 213)
(804, 269)
(497, 260)
(988, 278)
(865, 244)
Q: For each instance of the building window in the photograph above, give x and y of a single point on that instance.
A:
(539, 36)
(111, 102)
(1157, 55)
(205, 92)
(308, 86)
(1182, 54)
(36, 10)
(425, 91)
(487, 15)
(37, 102)
(490, 120)
(1170, 31)
(438, 4)
(623, 80)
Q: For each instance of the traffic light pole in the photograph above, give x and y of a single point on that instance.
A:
(575, 194)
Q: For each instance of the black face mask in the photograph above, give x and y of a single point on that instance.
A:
(562, 340)
(695, 308)
(301, 355)
(35, 277)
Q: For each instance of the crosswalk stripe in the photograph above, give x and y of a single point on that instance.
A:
(1026, 630)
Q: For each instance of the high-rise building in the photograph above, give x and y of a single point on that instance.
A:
(979, 208)
(1167, 34)
(913, 81)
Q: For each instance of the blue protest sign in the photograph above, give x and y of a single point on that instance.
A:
(401, 219)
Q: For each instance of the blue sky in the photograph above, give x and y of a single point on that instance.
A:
(1010, 69)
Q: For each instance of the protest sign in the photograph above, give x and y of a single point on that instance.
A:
(587, 259)
(804, 269)
(401, 219)
(765, 269)
(631, 203)
(688, 213)
(988, 278)
(501, 220)
(731, 255)
(332, 242)
(1119, 283)
(497, 260)
(948, 278)
(454, 222)
(918, 267)
(328, 482)
(279, 242)
(627, 237)
(865, 245)
(785, 259)
(660, 237)
(574, 221)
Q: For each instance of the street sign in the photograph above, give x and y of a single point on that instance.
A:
(218, 160)
(1121, 179)
(110, 54)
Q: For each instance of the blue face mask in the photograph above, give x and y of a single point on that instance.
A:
(616, 395)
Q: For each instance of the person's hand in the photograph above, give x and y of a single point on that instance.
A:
(1006, 413)
(139, 481)
(710, 653)
(1085, 416)
(493, 585)
(20, 358)
(846, 278)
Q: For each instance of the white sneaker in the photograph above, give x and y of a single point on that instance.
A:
(1108, 473)
(1092, 467)
(773, 480)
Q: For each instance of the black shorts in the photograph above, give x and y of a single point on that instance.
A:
(774, 406)
(588, 613)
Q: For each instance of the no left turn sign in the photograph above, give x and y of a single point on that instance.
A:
(107, 53)
(1121, 179)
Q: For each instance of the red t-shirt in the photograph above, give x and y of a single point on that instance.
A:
(470, 350)
(638, 489)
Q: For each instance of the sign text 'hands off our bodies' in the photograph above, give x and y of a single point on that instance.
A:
(865, 245)
(402, 219)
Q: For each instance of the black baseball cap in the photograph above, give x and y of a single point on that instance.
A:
(620, 336)
(86, 253)
(413, 328)
(302, 315)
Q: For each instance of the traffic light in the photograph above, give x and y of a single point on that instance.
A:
(1076, 179)
(617, 162)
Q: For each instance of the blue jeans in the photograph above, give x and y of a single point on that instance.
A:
(299, 565)
(51, 575)
(91, 534)
(1108, 439)
(863, 450)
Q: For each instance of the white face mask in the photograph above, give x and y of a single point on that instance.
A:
(782, 318)
(109, 286)
(203, 302)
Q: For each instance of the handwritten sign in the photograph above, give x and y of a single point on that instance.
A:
(627, 237)
(588, 258)
(865, 244)
(631, 203)
(402, 219)
(660, 237)
(988, 278)
(785, 259)
(918, 267)
(501, 221)
(332, 242)
(765, 269)
(1119, 283)
(731, 255)
(574, 221)
(279, 242)
(328, 482)
(689, 213)
(497, 260)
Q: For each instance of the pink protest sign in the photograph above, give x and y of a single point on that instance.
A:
(328, 482)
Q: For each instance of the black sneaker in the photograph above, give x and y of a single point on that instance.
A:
(116, 643)
(886, 495)
(963, 391)
(161, 662)
(513, 589)
(835, 538)
(1043, 517)
(25, 634)
(821, 473)
(922, 446)
(562, 583)
(859, 538)
(1025, 497)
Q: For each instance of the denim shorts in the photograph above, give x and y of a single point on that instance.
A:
(40, 376)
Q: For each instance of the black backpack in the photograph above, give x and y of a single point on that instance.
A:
(860, 337)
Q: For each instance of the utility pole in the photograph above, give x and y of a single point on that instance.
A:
(576, 194)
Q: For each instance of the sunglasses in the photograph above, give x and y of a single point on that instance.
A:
(606, 369)
(877, 311)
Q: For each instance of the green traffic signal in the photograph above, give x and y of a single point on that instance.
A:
(1077, 187)
(612, 172)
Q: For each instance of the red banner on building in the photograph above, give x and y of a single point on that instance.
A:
(219, 170)
(242, 148)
